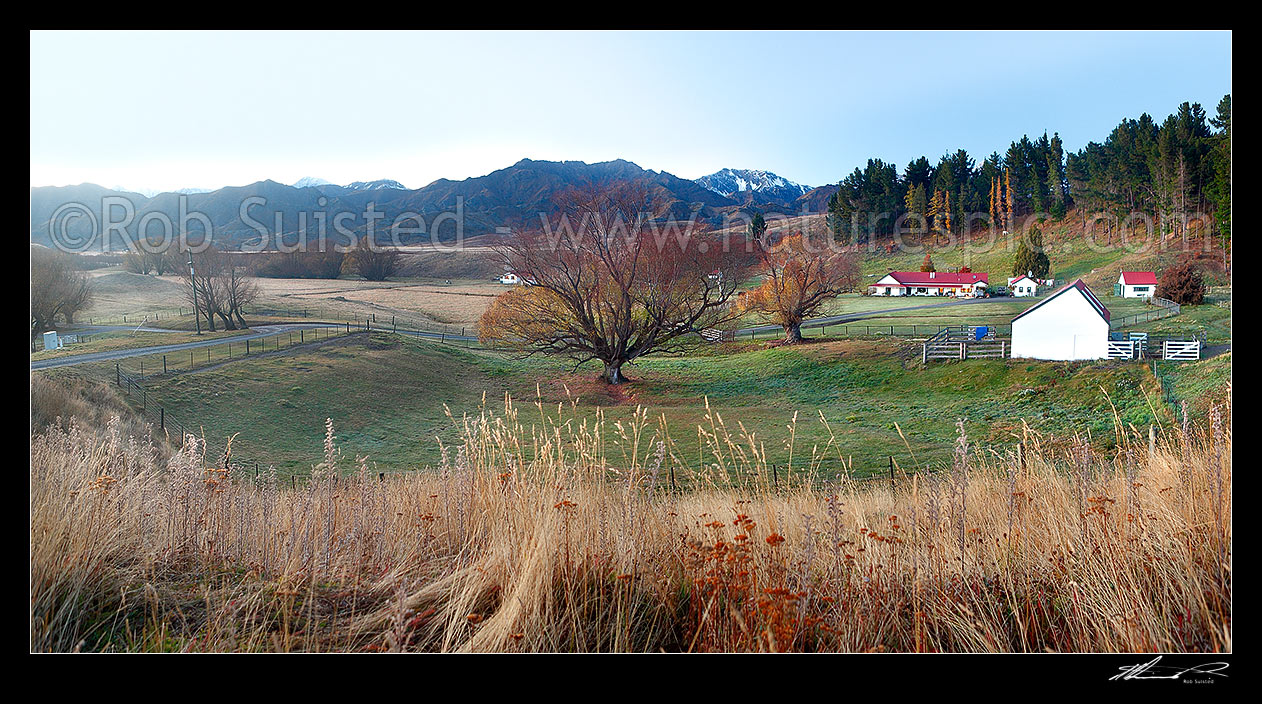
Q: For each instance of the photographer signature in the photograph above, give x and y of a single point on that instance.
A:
(1152, 671)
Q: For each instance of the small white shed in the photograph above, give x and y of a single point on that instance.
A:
(1070, 324)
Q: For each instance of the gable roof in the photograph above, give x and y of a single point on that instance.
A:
(1139, 278)
(1083, 289)
(1022, 277)
(941, 278)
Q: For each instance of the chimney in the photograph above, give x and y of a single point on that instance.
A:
(933, 274)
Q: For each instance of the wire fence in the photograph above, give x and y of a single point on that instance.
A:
(1162, 308)
(143, 366)
(856, 330)
(158, 315)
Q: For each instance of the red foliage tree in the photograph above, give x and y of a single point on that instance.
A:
(1182, 284)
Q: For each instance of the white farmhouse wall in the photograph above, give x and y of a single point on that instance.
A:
(887, 282)
(1066, 327)
(1142, 291)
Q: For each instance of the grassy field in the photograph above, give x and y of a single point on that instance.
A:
(415, 301)
(386, 396)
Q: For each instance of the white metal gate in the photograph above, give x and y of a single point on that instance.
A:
(1119, 349)
(1175, 349)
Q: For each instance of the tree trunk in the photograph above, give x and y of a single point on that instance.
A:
(792, 334)
(613, 373)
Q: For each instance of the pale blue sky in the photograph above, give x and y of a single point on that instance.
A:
(166, 110)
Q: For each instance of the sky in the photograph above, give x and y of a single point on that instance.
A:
(162, 110)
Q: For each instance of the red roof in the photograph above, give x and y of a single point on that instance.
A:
(1086, 293)
(941, 278)
(1139, 278)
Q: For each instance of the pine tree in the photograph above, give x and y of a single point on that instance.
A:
(1031, 256)
(1056, 177)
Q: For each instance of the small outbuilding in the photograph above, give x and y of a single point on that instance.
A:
(1070, 324)
(1136, 284)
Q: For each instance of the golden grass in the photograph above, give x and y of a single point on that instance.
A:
(569, 538)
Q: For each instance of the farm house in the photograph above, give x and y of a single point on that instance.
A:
(1136, 284)
(929, 283)
(1070, 324)
(1023, 286)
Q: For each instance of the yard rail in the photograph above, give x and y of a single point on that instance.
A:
(961, 342)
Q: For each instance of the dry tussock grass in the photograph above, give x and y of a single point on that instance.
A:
(548, 534)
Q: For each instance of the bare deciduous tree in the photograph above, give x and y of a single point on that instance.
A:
(604, 283)
(372, 262)
(220, 287)
(797, 280)
(58, 289)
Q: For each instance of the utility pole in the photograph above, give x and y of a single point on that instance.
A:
(192, 281)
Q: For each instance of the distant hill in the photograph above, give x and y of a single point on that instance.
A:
(512, 196)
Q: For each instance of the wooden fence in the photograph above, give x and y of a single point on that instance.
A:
(961, 342)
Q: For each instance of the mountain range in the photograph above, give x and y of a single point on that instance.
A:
(512, 196)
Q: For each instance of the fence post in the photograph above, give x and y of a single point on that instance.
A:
(118, 375)
(924, 353)
(775, 476)
(963, 352)
(164, 364)
(891, 471)
(162, 418)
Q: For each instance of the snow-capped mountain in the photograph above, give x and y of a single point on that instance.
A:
(375, 185)
(150, 192)
(740, 183)
(311, 182)
(332, 189)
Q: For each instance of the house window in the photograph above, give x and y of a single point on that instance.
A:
(887, 290)
(1141, 289)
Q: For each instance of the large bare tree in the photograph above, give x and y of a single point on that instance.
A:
(798, 279)
(58, 289)
(218, 285)
(605, 282)
(371, 261)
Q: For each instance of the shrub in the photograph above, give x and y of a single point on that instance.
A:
(300, 265)
(1182, 284)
